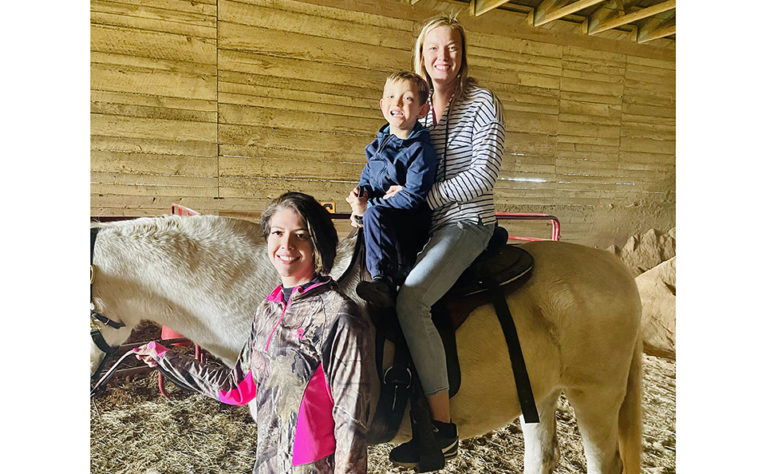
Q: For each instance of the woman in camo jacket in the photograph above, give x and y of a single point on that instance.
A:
(304, 362)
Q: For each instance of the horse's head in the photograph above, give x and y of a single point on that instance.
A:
(201, 276)
(106, 332)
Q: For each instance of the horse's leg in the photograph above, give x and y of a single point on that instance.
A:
(541, 450)
(597, 409)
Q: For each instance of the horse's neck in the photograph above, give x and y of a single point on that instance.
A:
(203, 277)
(348, 267)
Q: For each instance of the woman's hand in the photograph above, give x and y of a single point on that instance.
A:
(149, 353)
(392, 191)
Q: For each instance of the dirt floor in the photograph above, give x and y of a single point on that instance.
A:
(134, 429)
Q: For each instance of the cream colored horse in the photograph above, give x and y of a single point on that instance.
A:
(577, 318)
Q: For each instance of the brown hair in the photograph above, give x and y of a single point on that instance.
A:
(463, 81)
(420, 84)
(324, 237)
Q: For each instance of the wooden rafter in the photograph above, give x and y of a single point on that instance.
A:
(619, 20)
(612, 14)
(548, 10)
(656, 33)
(479, 7)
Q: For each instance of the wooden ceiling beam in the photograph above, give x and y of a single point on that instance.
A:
(619, 20)
(479, 7)
(656, 33)
(548, 11)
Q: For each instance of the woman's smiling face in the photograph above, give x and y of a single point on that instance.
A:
(442, 54)
(290, 249)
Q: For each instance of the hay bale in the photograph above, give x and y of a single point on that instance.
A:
(657, 288)
(643, 252)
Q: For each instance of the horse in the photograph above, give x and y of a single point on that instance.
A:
(577, 317)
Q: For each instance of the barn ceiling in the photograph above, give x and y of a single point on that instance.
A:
(644, 20)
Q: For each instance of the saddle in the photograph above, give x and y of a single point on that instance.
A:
(498, 271)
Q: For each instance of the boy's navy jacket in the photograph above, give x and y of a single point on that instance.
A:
(410, 163)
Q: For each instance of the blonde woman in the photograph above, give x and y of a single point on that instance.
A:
(468, 133)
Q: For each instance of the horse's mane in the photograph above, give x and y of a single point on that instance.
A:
(195, 233)
(350, 265)
(200, 226)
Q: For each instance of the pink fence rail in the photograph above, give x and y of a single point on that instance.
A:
(519, 216)
(555, 224)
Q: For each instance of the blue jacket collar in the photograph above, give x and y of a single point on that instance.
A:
(385, 130)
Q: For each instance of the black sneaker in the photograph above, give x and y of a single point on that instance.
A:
(407, 455)
(378, 292)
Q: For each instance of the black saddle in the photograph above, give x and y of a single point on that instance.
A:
(499, 270)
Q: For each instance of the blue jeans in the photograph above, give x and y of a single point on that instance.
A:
(449, 251)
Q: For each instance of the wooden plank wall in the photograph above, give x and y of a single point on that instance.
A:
(154, 107)
(223, 105)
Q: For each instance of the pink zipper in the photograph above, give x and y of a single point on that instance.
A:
(272, 297)
(284, 310)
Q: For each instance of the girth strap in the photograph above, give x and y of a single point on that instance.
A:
(520, 375)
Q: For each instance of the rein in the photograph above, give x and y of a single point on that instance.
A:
(122, 358)
(108, 373)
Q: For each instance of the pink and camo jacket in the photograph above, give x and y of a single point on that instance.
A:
(308, 366)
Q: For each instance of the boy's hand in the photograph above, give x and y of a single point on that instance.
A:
(356, 221)
(357, 201)
(392, 191)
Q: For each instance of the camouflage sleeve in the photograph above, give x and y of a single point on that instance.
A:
(353, 383)
(234, 386)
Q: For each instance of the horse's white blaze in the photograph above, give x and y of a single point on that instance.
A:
(577, 318)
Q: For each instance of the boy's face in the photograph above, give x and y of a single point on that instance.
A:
(401, 106)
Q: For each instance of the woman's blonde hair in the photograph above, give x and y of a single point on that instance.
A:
(463, 81)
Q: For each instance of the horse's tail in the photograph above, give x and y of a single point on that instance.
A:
(629, 422)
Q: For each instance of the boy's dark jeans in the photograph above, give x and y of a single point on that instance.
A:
(393, 238)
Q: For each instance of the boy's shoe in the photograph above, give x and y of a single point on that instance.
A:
(378, 292)
(407, 455)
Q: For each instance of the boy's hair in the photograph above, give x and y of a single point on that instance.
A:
(420, 84)
(417, 54)
(323, 235)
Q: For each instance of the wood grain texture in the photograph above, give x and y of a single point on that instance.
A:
(223, 105)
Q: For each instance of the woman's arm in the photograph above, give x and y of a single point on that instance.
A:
(480, 175)
(353, 384)
(234, 386)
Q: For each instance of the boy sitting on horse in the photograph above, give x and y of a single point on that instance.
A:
(389, 201)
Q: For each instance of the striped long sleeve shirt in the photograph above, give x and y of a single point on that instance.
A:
(469, 142)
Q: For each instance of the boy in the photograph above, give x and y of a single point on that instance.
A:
(389, 202)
